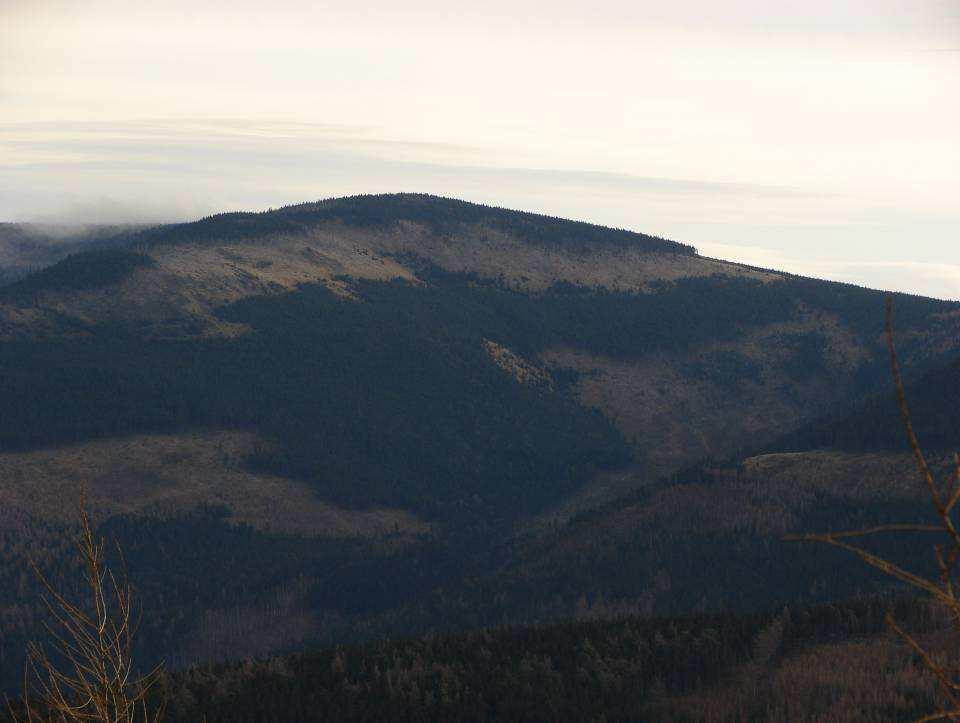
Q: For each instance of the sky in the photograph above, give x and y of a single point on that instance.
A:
(815, 136)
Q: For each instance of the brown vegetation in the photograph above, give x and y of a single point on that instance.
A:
(178, 295)
(175, 473)
(518, 367)
(676, 414)
(494, 254)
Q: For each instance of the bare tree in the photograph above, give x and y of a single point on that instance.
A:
(942, 590)
(89, 673)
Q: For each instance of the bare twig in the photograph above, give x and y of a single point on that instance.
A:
(942, 590)
(91, 675)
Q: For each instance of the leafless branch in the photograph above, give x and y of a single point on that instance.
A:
(89, 675)
(942, 590)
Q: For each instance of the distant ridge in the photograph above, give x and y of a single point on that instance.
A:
(440, 215)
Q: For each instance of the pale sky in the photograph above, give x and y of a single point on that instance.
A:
(816, 136)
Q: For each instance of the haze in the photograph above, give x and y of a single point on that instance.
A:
(817, 137)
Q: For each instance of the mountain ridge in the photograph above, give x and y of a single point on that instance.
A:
(442, 214)
(467, 427)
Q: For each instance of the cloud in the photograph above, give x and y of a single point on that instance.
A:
(95, 210)
(145, 169)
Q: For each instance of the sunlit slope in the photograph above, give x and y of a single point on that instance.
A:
(668, 345)
(387, 414)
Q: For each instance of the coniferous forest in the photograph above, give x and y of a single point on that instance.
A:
(508, 500)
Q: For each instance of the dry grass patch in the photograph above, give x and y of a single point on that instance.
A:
(675, 416)
(498, 255)
(149, 474)
(178, 295)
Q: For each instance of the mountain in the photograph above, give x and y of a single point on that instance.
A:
(395, 414)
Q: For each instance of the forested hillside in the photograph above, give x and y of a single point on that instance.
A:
(398, 414)
(874, 424)
(694, 669)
